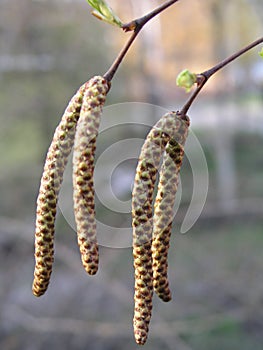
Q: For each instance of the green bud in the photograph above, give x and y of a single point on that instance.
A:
(261, 53)
(104, 12)
(186, 79)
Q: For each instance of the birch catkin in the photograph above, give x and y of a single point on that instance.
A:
(83, 168)
(51, 180)
(142, 211)
(163, 207)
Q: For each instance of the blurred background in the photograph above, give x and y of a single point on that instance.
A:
(48, 48)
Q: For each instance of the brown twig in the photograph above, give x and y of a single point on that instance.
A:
(131, 26)
(208, 73)
(135, 26)
(203, 77)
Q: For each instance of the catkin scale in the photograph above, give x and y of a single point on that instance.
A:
(83, 168)
(142, 221)
(50, 184)
(163, 208)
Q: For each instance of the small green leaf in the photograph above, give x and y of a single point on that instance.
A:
(104, 12)
(261, 53)
(186, 79)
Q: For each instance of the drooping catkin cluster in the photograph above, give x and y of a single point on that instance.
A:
(51, 180)
(151, 223)
(142, 213)
(52, 177)
(163, 208)
(83, 168)
(142, 230)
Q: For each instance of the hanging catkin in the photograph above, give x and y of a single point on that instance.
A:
(142, 211)
(163, 207)
(51, 180)
(83, 168)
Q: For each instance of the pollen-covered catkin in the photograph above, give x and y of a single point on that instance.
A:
(163, 207)
(51, 180)
(83, 168)
(142, 212)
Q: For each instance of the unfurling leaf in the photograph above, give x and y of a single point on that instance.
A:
(104, 12)
(186, 79)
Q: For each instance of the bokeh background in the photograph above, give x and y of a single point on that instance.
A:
(48, 48)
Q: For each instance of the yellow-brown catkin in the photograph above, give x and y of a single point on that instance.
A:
(142, 212)
(83, 169)
(51, 180)
(163, 207)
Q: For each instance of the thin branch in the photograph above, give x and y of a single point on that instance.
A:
(135, 25)
(140, 22)
(200, 83)
(112, 70)
(203, 77)
(228, 60)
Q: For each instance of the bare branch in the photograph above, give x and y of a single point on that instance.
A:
(136, 26)
(203, 77)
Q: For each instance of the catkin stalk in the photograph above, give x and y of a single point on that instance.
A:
(163, 207)
(50, 184)
(142, 212)
(83, 169)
